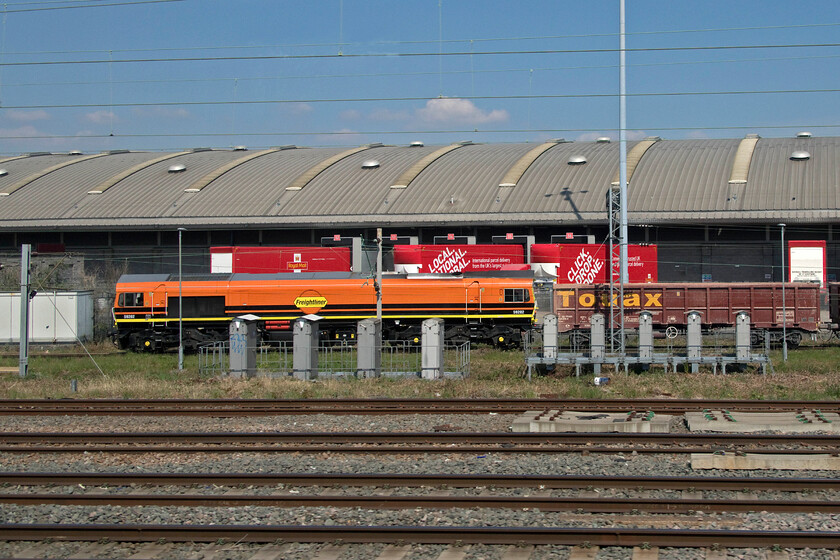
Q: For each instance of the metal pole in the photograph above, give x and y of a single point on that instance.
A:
(379, 273)
(25, 251)
(622, 141)
(180, 307)
(784, 306)
(622, 173)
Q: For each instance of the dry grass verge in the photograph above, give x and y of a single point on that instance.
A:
(809, 374)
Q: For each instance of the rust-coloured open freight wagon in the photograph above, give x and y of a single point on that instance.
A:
(717, 303)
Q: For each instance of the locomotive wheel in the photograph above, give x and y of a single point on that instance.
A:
(457, 335)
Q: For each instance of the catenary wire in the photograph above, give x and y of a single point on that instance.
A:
(5, 10)
(344, 44)
(416, 98)
(409, 74)
(414, 132)
(417, 55)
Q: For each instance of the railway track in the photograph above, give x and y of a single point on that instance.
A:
(223, 502)
(241, 407)
(691, 483)
(99, 483)
(611, 536)
(543, 503)
(405, 442)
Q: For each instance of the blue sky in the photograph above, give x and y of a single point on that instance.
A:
(124, 74)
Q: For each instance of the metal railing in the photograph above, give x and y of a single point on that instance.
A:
(275, 359)
(716, 349)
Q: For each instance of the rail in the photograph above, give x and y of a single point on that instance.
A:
(606, 536)
(380, 406)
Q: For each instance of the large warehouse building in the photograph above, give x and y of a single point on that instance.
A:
(711, 206)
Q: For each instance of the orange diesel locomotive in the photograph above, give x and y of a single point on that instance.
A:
(479, 307)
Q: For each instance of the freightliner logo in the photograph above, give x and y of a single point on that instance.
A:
(306, 302)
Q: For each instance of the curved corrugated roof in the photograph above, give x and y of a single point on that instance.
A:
(348, 189)
(257, 188)
(673, 181)
(683, 177)
(575, 192)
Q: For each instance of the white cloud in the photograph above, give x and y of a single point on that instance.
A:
(388, 115)
(350, 115)
(101, 117)
(297, 108)
(697, 135)
(25, 131)
(27, 116)
(461, 111)
(341, 136)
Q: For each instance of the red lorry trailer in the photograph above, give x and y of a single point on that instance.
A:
(717, 303)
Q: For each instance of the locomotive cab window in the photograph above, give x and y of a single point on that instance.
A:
(516, 295)
(131, 299)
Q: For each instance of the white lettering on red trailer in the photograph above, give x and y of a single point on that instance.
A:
(585, 268)
(449, 261)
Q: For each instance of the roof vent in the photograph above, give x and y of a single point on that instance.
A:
(74, 153)
(800, 155)
(196, 150)
(240, 148)
(603, 140)
(286, 147)
(577, 160)
(803, 134)
(177, 168)
(416, 144)
(375, 145)
(465, 143)
(33, 154)
(116, 152)
(752, 135)
(3, 172)
(558, 140)
(370, 164)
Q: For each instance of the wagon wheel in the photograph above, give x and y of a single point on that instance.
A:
(671, 331)
(794, 339)
(578, 339)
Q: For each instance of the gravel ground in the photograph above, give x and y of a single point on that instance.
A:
(497, 463)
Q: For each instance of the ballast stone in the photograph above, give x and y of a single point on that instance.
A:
(591, 422)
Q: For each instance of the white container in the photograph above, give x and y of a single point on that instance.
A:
(54, 317)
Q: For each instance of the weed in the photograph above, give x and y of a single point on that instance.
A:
(810, 374)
